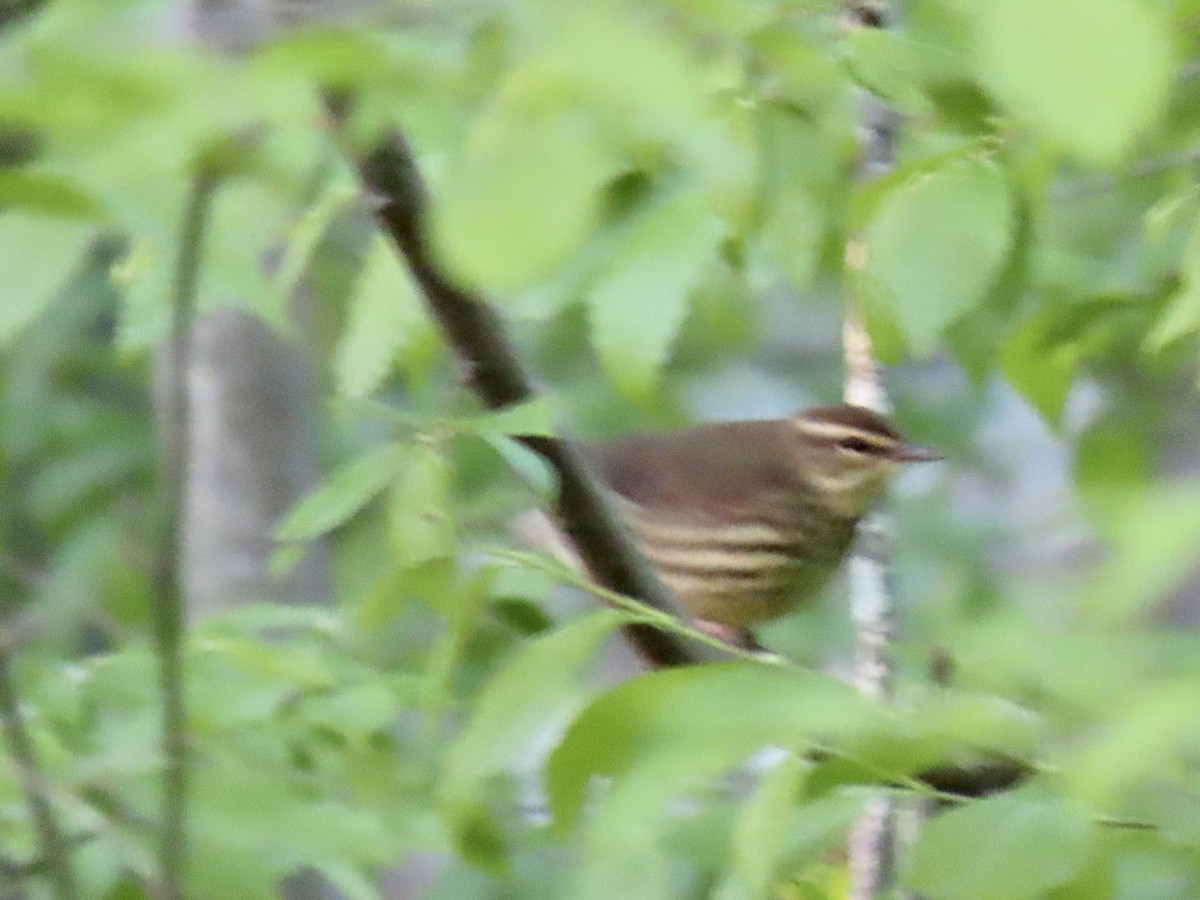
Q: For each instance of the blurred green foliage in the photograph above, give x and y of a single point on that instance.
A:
(658, 197)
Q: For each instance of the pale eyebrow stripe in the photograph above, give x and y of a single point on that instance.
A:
(831, 431)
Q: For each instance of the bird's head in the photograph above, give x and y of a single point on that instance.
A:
(847, 453)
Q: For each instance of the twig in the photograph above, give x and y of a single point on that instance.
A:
(655, 618)
(1144, 168)
(493, 371)
(168, 594)
(53, 847)
(871, 843)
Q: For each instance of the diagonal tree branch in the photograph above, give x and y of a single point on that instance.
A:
(494, 372)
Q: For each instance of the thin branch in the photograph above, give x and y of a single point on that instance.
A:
(1149, 167)
(642, 611)
(871, 847)
(54, 848)
(168, 594)
(477, 334)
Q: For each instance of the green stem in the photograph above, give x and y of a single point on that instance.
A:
(168, 594)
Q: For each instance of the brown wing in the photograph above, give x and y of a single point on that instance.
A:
(709, 472)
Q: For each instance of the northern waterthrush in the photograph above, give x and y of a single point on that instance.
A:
(745, 520)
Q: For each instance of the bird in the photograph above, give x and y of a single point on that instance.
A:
(746, 520)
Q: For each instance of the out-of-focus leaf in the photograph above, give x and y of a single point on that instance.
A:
(388, 325)
(699, 720)
(789, 240)
(523, 708)
(1036, 842)
(1039, 365)
(37, 254)
(638, 304)
(355, 712)
(887, 63)
(343, 494)
(526, 192)
(258, 812)
(419, 527)
(1182, 316)
(660, 93)
(1142, 740)
(533, 418)
(532, 468)
(1151, 548)
(306, 234)
(352, 883)
(1093, 88)
(47, 193)
(1112, 461)
(762, 823)
(936, 243)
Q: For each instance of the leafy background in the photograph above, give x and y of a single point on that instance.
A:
(657, 196)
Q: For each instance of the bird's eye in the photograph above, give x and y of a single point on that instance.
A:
(855, 445)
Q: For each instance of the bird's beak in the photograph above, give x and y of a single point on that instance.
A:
(916, 453)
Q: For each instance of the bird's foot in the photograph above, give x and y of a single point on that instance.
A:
(740, 638)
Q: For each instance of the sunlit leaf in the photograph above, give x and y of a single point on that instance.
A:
(47, 193)
(761, 830)
(533, 418)
(936, 243)
(526, 191)
(1036, 842)
(388, 326)
(306, 234)
(37, 254)
(700, 720)
(419, 527)
(1093, 88)
(1182, 316)
(638, 303)
(1040, 365)
(1151, 549)
(524, 707)
(343, 494)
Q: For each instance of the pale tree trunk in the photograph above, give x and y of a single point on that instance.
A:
(253, 452)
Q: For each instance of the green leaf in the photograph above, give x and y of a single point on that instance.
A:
(936, 243)
(37, 254)
(356, 712)
(1002, 848)
(887, 63)
(789, 240)
(1093, 76)
(1039, 364)
(528, 701)
(760, 833)
(342, 495)
(260, 813)
(1151, 549)
(246, 217)
(1151, 734)
(638, 304)
(420, 529)
(48, 193)
(1182, 316)
(531, 418)
(388, 325)
(306, 234)
(526, 193)
(699, 721)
